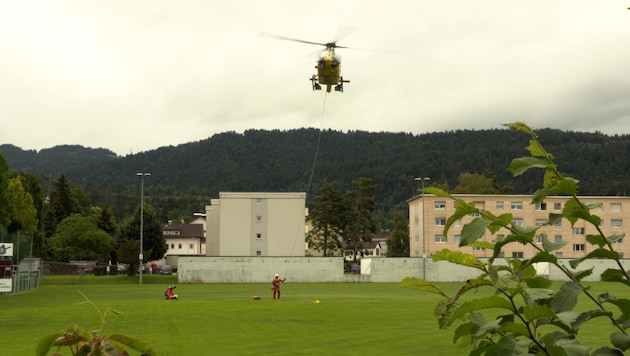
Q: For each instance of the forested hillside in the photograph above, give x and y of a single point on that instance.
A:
(184, 178)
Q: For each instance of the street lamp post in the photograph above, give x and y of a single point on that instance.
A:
(140, 257)
(424, 251)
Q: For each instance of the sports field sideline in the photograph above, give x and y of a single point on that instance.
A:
(223, 319)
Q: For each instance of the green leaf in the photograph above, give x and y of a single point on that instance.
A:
(588, 315)
(462, 336)
(519, 126)
(514, 328)
(141, 346)
(438, 192)
(45, 344)
(566, 298)
(598, 240)
(534, 294)
(462, 209)
(607, 351)
(620, 340)
(621, 303)
(420, 284)
(616, 238)
(549, 246)
(537, 311)
(574, 210)
(473, 231)
(573, 348)
(510, 346)
(459, 258)
(614, 275)
(580, 274)
(523, 164)
(493, 302)
(538, 282)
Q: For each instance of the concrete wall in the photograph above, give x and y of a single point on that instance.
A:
(203, 269)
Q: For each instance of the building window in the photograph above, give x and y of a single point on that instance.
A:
(620, 241)
(457, 238)
(578, 231)
(458, 222)
(259, 201)
(616, 223)
(179, 246)
(517, 205)
(440, 205)
(558, 238)
(539, 239)
(541, 206)
(517, 221)
(440, 239)
(557, 206)
(500, 237)
(477, 248)
(541, 222)
(190, 246)
(615, 207)
(517, 254)
(559, 254)
(172, 246)
(558, 223)
(258, 253)
(579, 247)
(499, 205)
(440, 221)
(258, 218)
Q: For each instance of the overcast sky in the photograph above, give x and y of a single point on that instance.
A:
(135, 75)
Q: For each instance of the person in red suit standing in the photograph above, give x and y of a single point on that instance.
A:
(276, 285)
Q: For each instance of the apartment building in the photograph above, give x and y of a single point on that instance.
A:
(256, 224)
(428, 215)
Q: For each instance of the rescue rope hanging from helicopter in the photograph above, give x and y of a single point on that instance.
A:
(310, 179)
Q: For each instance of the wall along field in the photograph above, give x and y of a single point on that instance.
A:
(223, 319)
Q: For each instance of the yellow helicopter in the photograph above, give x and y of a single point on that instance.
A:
(328, 65)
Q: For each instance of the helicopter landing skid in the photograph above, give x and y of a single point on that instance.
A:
(316, 85)
(339, 87)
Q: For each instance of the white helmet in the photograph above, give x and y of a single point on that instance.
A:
(277, 275)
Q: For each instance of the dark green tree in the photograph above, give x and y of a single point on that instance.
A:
(5, 208)
(358, 225)
(62, 204)
(398, 242)
(78, 238)
(23, 214)
(153, 241)
(127, 253)
(474, 183)
(105, 221)
(32, 185)
(325, 218)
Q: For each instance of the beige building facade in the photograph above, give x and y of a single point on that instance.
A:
(256, 224)
(428, 215)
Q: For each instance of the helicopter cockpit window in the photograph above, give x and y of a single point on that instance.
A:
(336, 60)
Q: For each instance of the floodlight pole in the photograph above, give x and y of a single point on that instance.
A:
(424, 251)
(140, 256)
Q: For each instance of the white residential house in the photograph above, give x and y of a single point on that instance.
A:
(184, 239)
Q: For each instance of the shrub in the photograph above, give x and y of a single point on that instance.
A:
(535, 318)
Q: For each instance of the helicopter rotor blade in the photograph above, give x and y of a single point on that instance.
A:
(291, 39)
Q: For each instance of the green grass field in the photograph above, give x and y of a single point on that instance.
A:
(222, 319)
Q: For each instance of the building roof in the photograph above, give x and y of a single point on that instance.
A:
(183, 230)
